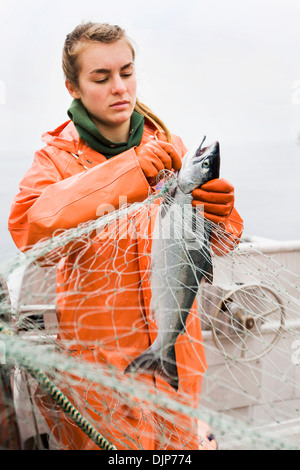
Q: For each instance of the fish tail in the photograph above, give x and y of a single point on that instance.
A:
(163, 365)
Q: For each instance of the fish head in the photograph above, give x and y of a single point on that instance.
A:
(199, 165)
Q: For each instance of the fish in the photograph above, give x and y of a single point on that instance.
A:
(180, 261)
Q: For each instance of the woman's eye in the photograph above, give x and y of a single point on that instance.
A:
(101, 81)
(104, 80)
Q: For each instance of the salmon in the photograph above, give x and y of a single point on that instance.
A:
(180, 260)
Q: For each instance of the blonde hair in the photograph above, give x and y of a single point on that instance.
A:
(105, 33)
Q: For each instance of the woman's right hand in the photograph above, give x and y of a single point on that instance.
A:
(155, 156)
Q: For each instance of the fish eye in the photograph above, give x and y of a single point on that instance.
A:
(206, 163)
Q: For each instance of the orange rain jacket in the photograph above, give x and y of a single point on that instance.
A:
(64, 187)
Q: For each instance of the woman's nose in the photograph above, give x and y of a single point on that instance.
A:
(118, 85)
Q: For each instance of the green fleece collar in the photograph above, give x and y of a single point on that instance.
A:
(88, 131)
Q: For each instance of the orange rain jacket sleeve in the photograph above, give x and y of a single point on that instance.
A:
(65, 186)
(68, 182)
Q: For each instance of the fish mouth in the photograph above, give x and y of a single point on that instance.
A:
(201, 165)
(200, 150)
(213, 150)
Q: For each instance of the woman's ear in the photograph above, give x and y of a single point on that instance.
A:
(72, 89)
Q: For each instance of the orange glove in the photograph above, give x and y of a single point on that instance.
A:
(217, 197)
(155, 156)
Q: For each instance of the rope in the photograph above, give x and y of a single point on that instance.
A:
(63, 401)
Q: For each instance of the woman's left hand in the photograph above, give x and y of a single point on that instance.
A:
(216, 198)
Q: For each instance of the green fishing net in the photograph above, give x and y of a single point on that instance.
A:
(250, 320)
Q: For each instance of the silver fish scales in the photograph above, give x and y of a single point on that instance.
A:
(180, 259)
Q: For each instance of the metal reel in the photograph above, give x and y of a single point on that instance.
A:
(248, 322)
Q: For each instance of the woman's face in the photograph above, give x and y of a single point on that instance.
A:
(107, 83)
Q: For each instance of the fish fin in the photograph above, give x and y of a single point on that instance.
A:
(164, 366)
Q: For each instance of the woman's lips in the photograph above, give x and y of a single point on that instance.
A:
(119, 104)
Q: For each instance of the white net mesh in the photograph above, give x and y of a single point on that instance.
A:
(97, 279)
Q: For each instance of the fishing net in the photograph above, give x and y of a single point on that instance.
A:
(76, 309)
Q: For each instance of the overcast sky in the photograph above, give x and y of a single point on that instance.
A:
(229, 69)
(224, 68)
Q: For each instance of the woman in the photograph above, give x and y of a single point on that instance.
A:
(112, 149)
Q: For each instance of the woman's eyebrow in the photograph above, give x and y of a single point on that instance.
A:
(108, 70)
